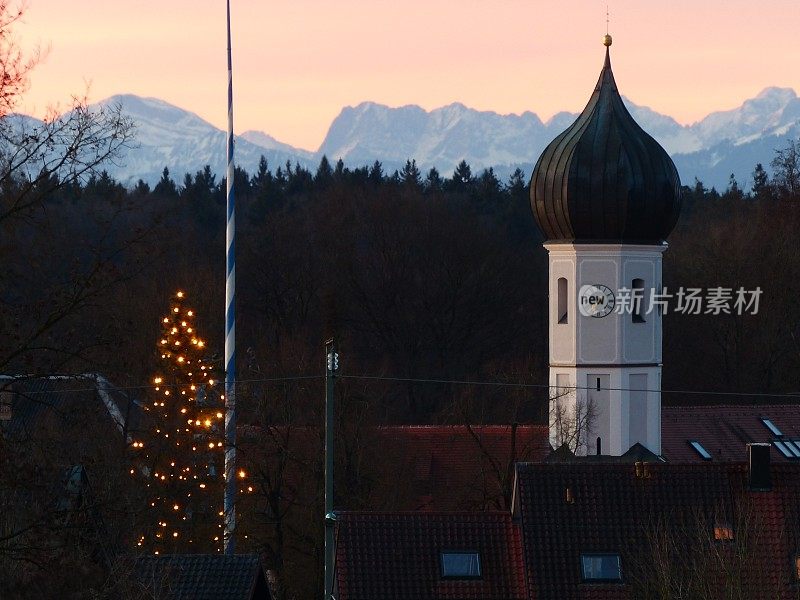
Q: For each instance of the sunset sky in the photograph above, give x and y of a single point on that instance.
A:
(298, 62)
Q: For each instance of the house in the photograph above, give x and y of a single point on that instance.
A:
(202, 577)
(589, 530)
(63, 466)
(418, 555)
(635, 501)
(718, 433)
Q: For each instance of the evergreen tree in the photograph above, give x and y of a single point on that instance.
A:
(324, 174)
(761, 188)
(165, 186)
(141, 189)
(300, 179)
(433, 181)
(182, 461)
(517, 186)
(734, 192)
(376, 173)
(339, 174)
(410, 175)
(487, 190)
(462, 178)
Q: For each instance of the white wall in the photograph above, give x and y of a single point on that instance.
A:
(624, 354)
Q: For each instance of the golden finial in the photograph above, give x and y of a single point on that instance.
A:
(607, 37)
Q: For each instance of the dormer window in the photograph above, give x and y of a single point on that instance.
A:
(460, 564)
(598, 568)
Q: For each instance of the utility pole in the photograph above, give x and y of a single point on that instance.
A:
(331, 368)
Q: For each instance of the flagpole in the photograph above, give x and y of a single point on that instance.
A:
(230, 328)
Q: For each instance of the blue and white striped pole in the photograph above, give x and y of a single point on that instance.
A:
(230, 329)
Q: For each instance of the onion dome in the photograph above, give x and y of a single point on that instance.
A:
(605, 179)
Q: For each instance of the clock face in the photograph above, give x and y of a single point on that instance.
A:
(595, 300)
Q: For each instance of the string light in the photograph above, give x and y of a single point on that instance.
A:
(185, 415)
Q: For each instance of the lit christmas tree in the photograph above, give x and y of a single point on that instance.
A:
(182, 462)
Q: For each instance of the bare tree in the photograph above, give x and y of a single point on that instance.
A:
(37, 160)
(708, 555)
(572, 419)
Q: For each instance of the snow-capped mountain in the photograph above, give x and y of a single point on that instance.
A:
(168, 136)
(724, 142)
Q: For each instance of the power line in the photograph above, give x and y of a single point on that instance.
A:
(126, 388)
(464, 382)
(569, 387)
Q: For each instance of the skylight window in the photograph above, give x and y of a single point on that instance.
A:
(700, 450)
(792, 446)
(783, 449)
(461, 565)
(601, 567)
(772, 427)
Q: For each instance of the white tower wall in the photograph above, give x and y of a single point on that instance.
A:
(619, 353)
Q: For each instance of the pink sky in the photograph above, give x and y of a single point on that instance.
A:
(298, 62)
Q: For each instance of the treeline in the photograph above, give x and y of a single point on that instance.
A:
(423, 281)
(418, 276)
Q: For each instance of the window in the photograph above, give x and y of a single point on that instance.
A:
(723, 532)
(771, 426)
(792, 446)
(637, 298)
(461, 565)
(563, 305)
(783, 449)
(601, 567)
(700, 450)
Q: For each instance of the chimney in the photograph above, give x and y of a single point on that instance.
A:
(759, 471)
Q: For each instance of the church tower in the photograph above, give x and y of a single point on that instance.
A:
(606, 195)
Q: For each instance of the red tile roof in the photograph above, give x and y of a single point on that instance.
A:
(639, 517)
(724, 431)
(397, 555)
(202, 577)
(436, 467)
(458, 467)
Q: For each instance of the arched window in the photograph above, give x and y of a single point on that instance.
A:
(637, 296)
(563, 305)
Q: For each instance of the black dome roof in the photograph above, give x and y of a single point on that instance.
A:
(605, 179)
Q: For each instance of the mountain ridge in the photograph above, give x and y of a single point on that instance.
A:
(721, 143)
